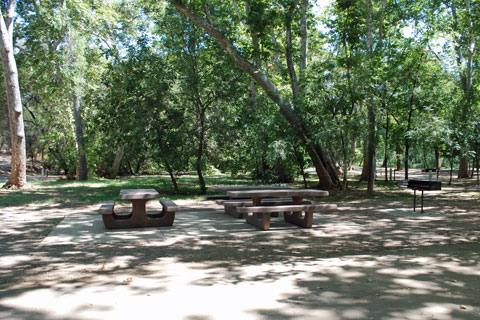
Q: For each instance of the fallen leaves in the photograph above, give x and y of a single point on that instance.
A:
(128, 280)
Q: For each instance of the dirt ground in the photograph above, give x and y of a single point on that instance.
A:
(371, 259)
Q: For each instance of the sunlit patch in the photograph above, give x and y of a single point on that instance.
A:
(428, 286)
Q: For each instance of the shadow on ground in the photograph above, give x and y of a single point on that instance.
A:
(372, 259)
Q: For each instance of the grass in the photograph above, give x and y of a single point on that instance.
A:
(98, 190)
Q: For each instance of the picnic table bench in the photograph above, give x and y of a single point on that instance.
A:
(297, 212)
(138, 218)
(232, 205)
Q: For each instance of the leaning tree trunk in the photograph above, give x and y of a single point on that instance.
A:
(327, 175)
(18, 174)
(172, 174)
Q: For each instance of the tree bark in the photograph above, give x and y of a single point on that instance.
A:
(438, 165)
(18, 173)
(201, 142)
(303, 39)
(328, 178)
(463, 168)
(172, 175)
(405, 160)
(81, 153)
(117, 160)
(77, 112)
(464, 46)
(385, 160)
(372, 143)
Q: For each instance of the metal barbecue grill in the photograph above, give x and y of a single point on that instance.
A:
(422, 185)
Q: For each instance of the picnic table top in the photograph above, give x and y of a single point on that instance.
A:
(224, 189)
(138, 194)
(277, 193)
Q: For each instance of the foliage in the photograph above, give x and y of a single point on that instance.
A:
(153, 83)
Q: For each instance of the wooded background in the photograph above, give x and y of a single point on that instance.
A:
(265, 88)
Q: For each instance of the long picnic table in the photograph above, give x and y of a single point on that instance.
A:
(298, 212)
(231, 205)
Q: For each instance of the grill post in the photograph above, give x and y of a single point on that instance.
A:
(414, 199)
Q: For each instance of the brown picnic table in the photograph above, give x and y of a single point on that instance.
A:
(138, 218)
(296, 212)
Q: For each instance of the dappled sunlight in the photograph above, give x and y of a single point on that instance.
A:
(371, 258)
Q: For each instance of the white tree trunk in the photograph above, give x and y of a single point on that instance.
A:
(18, 175)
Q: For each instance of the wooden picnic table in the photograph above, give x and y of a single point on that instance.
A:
(297, 212)
(138, 218)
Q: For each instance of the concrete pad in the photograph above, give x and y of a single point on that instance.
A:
(84, 229)
(90, 229)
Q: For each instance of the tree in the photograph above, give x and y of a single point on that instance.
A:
(72, 63)
(18, 175)
(327, 175)
(465, 33)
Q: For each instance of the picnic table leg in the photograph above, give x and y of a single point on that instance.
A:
(139, 215)
(296, 217)
(260, 220)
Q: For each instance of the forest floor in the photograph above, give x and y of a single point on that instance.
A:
(373, 258)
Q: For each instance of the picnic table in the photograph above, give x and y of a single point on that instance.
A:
(231, 205)
(138, 218)
(298, 212)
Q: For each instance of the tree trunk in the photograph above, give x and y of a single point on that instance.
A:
(303, 46)
(385, 159)
(172, 175)
(365, 173)
(118, 160)
(77, 112)
(18, 173)
(372, 143)
(201, 143)
(407, 150)
(345, 160)
(451, 169)
(81, 153)
(438, 165)
(328, 178)
(463, 168)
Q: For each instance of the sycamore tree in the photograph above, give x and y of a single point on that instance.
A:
(221, 21)
(18, 174)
